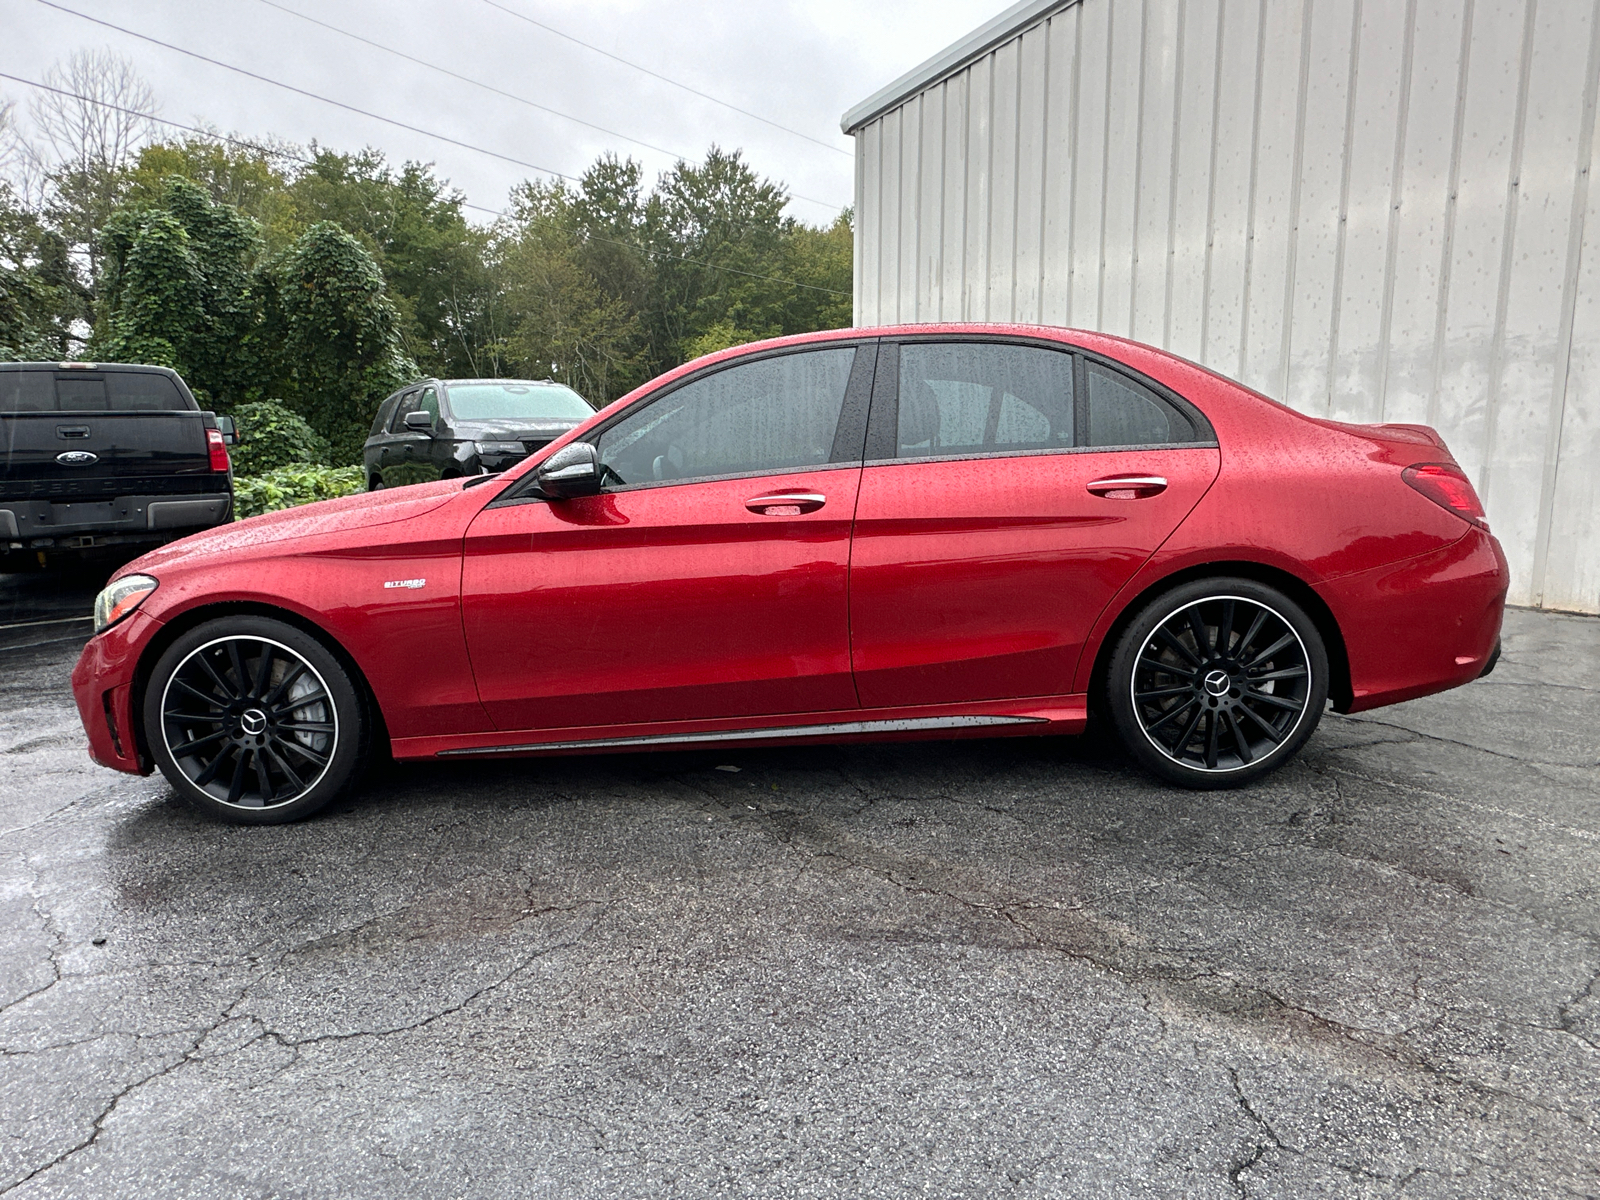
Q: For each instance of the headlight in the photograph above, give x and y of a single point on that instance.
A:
(500, 448)
(119, 598)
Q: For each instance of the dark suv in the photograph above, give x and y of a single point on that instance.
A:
(105, 455)
(444, 428)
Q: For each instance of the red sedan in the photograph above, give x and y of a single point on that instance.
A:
(912, 532)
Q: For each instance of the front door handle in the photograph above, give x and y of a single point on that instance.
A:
(1128, 487)
(785, 504)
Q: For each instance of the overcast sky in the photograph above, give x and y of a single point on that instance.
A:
(799, 63)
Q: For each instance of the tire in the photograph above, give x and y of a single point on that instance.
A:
(1217, 682)
(374, 484)
(237, 750)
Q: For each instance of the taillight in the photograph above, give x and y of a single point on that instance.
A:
(219, 450)
(1448, 487)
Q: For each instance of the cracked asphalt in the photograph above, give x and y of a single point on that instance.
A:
(966, 969)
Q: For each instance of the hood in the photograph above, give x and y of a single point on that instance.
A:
(362, 511)
(516, 429)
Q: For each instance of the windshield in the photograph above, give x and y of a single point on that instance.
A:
(495, 401)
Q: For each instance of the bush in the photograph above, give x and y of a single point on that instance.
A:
(300, 483)
(272, 437)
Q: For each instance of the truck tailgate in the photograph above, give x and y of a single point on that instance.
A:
(101, 455)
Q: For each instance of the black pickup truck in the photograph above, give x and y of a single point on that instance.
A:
(105, 455)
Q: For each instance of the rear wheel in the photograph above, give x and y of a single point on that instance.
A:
(254, 721)
(1218, 682)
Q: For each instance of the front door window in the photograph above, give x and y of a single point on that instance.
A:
(765, 417)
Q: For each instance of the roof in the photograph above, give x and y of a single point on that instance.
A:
(985, 38)
(87, 366)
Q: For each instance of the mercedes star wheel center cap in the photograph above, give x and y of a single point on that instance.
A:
(254, 721)
(1217, 683)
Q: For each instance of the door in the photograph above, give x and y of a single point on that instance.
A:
(706, 581)
(391, 450)
(408, 454)
(1010, 490)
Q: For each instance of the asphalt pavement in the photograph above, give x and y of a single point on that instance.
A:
(1009, 968)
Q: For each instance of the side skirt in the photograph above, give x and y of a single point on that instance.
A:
(987, 718)
(837, 729)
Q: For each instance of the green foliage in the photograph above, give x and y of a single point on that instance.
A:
(177, 289)
(326, 280)
(271, 437)
(337, 334)
(248, 178)
(604, 287)
(293, 485)
(40, 296)
(433, 261)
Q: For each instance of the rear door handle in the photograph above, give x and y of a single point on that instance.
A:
(785, 504)
(1128, 487)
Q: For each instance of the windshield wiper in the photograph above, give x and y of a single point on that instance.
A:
(477, 479)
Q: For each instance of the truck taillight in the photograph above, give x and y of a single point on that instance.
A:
(219, 450)
(1447, 486)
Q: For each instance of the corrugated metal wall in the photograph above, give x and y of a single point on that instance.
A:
(1375, 210)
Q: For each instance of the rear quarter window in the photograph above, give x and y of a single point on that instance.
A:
(1123, 412)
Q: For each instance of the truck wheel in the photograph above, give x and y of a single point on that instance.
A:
(254, 721)
(1218, 682)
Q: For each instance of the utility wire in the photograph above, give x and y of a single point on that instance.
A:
(300, 158)
(422, 62)
(289, 87)
(664, 79)
(478, 83)
(364, 112)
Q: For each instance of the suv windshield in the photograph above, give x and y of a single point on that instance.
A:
(495, 401)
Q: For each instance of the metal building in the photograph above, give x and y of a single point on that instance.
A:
(1375, 210)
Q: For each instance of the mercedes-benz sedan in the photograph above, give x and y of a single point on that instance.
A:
(912, 532)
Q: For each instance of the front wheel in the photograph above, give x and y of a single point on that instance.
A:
(254, 721)
(1218, 682)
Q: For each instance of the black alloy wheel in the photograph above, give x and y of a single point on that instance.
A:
(254, 721)
(1218, 682)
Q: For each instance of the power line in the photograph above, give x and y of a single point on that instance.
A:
(478, 83)
(289, 87)
(468, 79)
(300, 158)
(664, 79)
(325, 99)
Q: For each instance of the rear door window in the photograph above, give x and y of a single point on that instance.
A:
(969, 398)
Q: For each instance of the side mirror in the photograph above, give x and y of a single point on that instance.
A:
(419, 421)
(572, 471)
(229, 431)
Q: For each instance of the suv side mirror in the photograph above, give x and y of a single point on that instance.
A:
(572, 471)
(420, 421)
(229, 431)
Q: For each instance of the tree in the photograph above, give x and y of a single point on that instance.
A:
(255, 178)
(338, 336)
(432, 260)
(178, 289)
(560, 318)
(86, 133)
(715, 231)
(41, 299)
